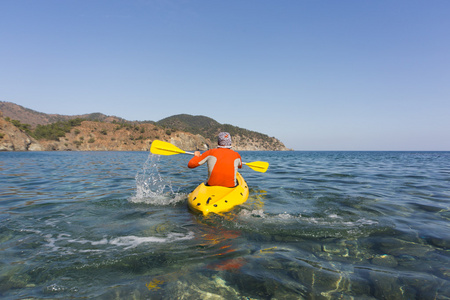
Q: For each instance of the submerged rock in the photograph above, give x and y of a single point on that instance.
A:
(385, 261)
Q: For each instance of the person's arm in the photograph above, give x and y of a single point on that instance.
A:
(194, 162)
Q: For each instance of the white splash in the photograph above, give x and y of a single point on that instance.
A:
(152, 188)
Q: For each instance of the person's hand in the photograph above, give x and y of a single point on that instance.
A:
(197, 153)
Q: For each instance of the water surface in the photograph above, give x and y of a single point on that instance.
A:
(317, 225)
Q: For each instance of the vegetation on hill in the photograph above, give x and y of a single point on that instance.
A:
(56, 130)
(52, 131)
(207, 127)
(24, 127)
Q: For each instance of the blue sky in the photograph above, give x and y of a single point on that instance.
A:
(318, 75)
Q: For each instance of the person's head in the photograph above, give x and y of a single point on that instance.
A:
(224, 140)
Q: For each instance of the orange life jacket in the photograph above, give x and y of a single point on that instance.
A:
(222, 166)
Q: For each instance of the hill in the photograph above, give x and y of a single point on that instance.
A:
(209, 128)
(193, 124)
(34, 118)
(25, 129)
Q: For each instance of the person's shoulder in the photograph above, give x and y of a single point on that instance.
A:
(233, 151)
(220, 149)
(208, 152)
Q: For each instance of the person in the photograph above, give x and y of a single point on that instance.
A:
(223, 162)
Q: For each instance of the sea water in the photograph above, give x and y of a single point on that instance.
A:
(317, 225)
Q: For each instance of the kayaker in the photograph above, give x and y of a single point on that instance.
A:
(223, 162)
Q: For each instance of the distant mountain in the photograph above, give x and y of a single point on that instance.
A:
(34, 118)
(188, 122)
(209, 128)
(25, 129)
(202, 125)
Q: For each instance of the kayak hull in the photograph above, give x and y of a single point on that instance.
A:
(218, 199)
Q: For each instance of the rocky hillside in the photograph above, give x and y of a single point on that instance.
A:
(22, 129)
(34, 118)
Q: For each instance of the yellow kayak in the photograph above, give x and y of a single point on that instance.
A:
(217, 199)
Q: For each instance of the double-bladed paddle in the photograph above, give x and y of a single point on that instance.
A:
(165, 148)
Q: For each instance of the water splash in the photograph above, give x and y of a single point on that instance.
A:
(152, 188)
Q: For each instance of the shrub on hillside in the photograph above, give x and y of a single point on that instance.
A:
(56, 130)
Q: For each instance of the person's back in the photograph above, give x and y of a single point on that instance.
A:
(222, 162)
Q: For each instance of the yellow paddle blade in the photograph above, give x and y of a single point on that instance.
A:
(165, 148)
(259, 166)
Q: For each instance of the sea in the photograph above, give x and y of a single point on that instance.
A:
(317, 225)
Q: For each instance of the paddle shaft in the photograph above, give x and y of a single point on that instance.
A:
(165, 148)
(192, 153)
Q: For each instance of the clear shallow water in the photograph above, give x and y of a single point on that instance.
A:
(317, 225)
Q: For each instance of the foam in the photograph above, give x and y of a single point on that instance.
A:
(158, 199)
(133, 241)
(125, 242)
(330, 220)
